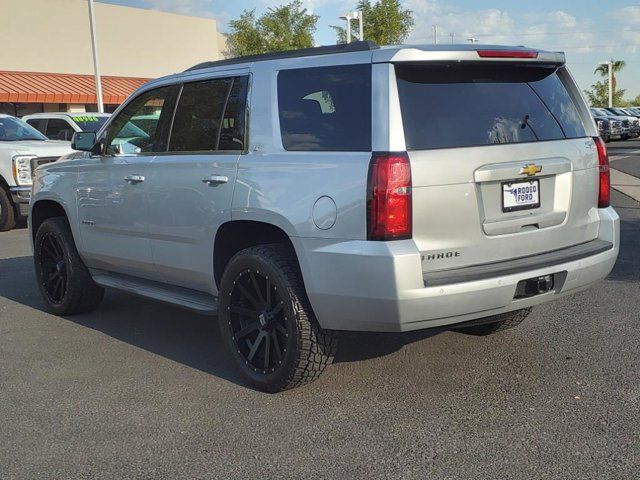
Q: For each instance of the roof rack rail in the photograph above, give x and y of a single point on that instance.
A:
(361, 46)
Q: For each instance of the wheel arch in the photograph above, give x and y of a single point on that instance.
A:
(42, 210)
(236, 235)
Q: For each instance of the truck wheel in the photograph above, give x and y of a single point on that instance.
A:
(267, 322)
(7, 212)
(497, 323)
(65, 283)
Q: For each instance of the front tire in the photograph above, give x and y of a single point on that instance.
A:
(267, 323)
(497, 323)
(64, 281)
(7, 211)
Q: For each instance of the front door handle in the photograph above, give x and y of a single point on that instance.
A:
(215, 179)
(134, 179)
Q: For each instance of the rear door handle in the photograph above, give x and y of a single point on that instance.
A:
(215, 179)
(134, 179)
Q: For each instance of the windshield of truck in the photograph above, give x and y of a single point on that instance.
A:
(90, 123)
(14, 130)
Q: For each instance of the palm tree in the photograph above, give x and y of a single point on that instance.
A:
(616, 66)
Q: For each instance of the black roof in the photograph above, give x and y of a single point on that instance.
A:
(303, 52)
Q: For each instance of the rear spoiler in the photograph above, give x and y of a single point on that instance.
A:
(477, 53)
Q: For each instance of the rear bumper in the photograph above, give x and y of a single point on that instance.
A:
(21, 197)
(379, 286)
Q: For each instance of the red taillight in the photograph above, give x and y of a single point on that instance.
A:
(389, 197)
(604, 192)
(507, 54)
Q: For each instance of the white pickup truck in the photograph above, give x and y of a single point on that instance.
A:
(20, 143)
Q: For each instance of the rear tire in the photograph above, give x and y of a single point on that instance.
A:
(64, 281)
(7, 212)
(497, 323)
(267, 323)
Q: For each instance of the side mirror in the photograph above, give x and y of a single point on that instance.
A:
(85, 142)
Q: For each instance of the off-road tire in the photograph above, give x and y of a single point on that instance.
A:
(497, 323)
(7, 211)
(309, 348)
(82, 294)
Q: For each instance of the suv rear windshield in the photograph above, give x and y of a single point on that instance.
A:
(325, 108)
(445, 106)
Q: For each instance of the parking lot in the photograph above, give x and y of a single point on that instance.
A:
(142, 390)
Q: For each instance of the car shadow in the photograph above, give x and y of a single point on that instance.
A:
(194, 340)
(180, 335)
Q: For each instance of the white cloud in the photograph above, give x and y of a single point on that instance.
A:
(553, 30)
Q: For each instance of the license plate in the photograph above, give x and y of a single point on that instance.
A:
(520, 195)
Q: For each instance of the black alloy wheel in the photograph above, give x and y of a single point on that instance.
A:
(258, 321)
(54, 269)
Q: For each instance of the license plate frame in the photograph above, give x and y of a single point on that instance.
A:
(506, 189)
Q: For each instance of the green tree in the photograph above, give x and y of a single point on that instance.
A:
(617, 65)
(287, 27)
(598, 95)
(636, 101)
(385, 22)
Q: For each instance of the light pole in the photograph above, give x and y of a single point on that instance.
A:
(357, 15)
(435, 34)
(96, 62)
(610, 70)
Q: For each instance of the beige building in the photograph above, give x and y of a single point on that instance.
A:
(49, 66)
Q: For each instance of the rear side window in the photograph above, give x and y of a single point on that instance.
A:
(38, 123)
(445, 106)
(210, 116)
(325, 108)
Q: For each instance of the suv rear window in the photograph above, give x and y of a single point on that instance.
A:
(445, 106)
(325, 108)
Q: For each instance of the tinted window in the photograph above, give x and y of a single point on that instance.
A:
(38, 123)
(125, 138)
(90, 123)
(58, 129)
(201, 124)
(326, 108)
(556, 98)
(461, 105)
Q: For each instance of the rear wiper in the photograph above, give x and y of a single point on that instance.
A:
(525, 124)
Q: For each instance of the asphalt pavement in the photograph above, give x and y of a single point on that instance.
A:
(139, 390)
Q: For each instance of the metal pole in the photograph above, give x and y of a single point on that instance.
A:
(348, 28)
(96, 62)
(452, 37)
(361, 25)
(435, 34)
(610, 65)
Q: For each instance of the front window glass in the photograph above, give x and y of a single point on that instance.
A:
(14, 130)
(124, 137)
(58, 129)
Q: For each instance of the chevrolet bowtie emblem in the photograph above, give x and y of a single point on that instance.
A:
(530, 170)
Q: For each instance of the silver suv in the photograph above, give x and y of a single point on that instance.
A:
(338, 188)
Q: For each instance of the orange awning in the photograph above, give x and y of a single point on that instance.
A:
(31, 87)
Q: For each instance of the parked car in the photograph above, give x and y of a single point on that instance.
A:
(609, 127)
(356, 188)
(20, 144)
(62, 126)
(634, 123)
(625, 121)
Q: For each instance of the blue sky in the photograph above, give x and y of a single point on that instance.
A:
(588, 31)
